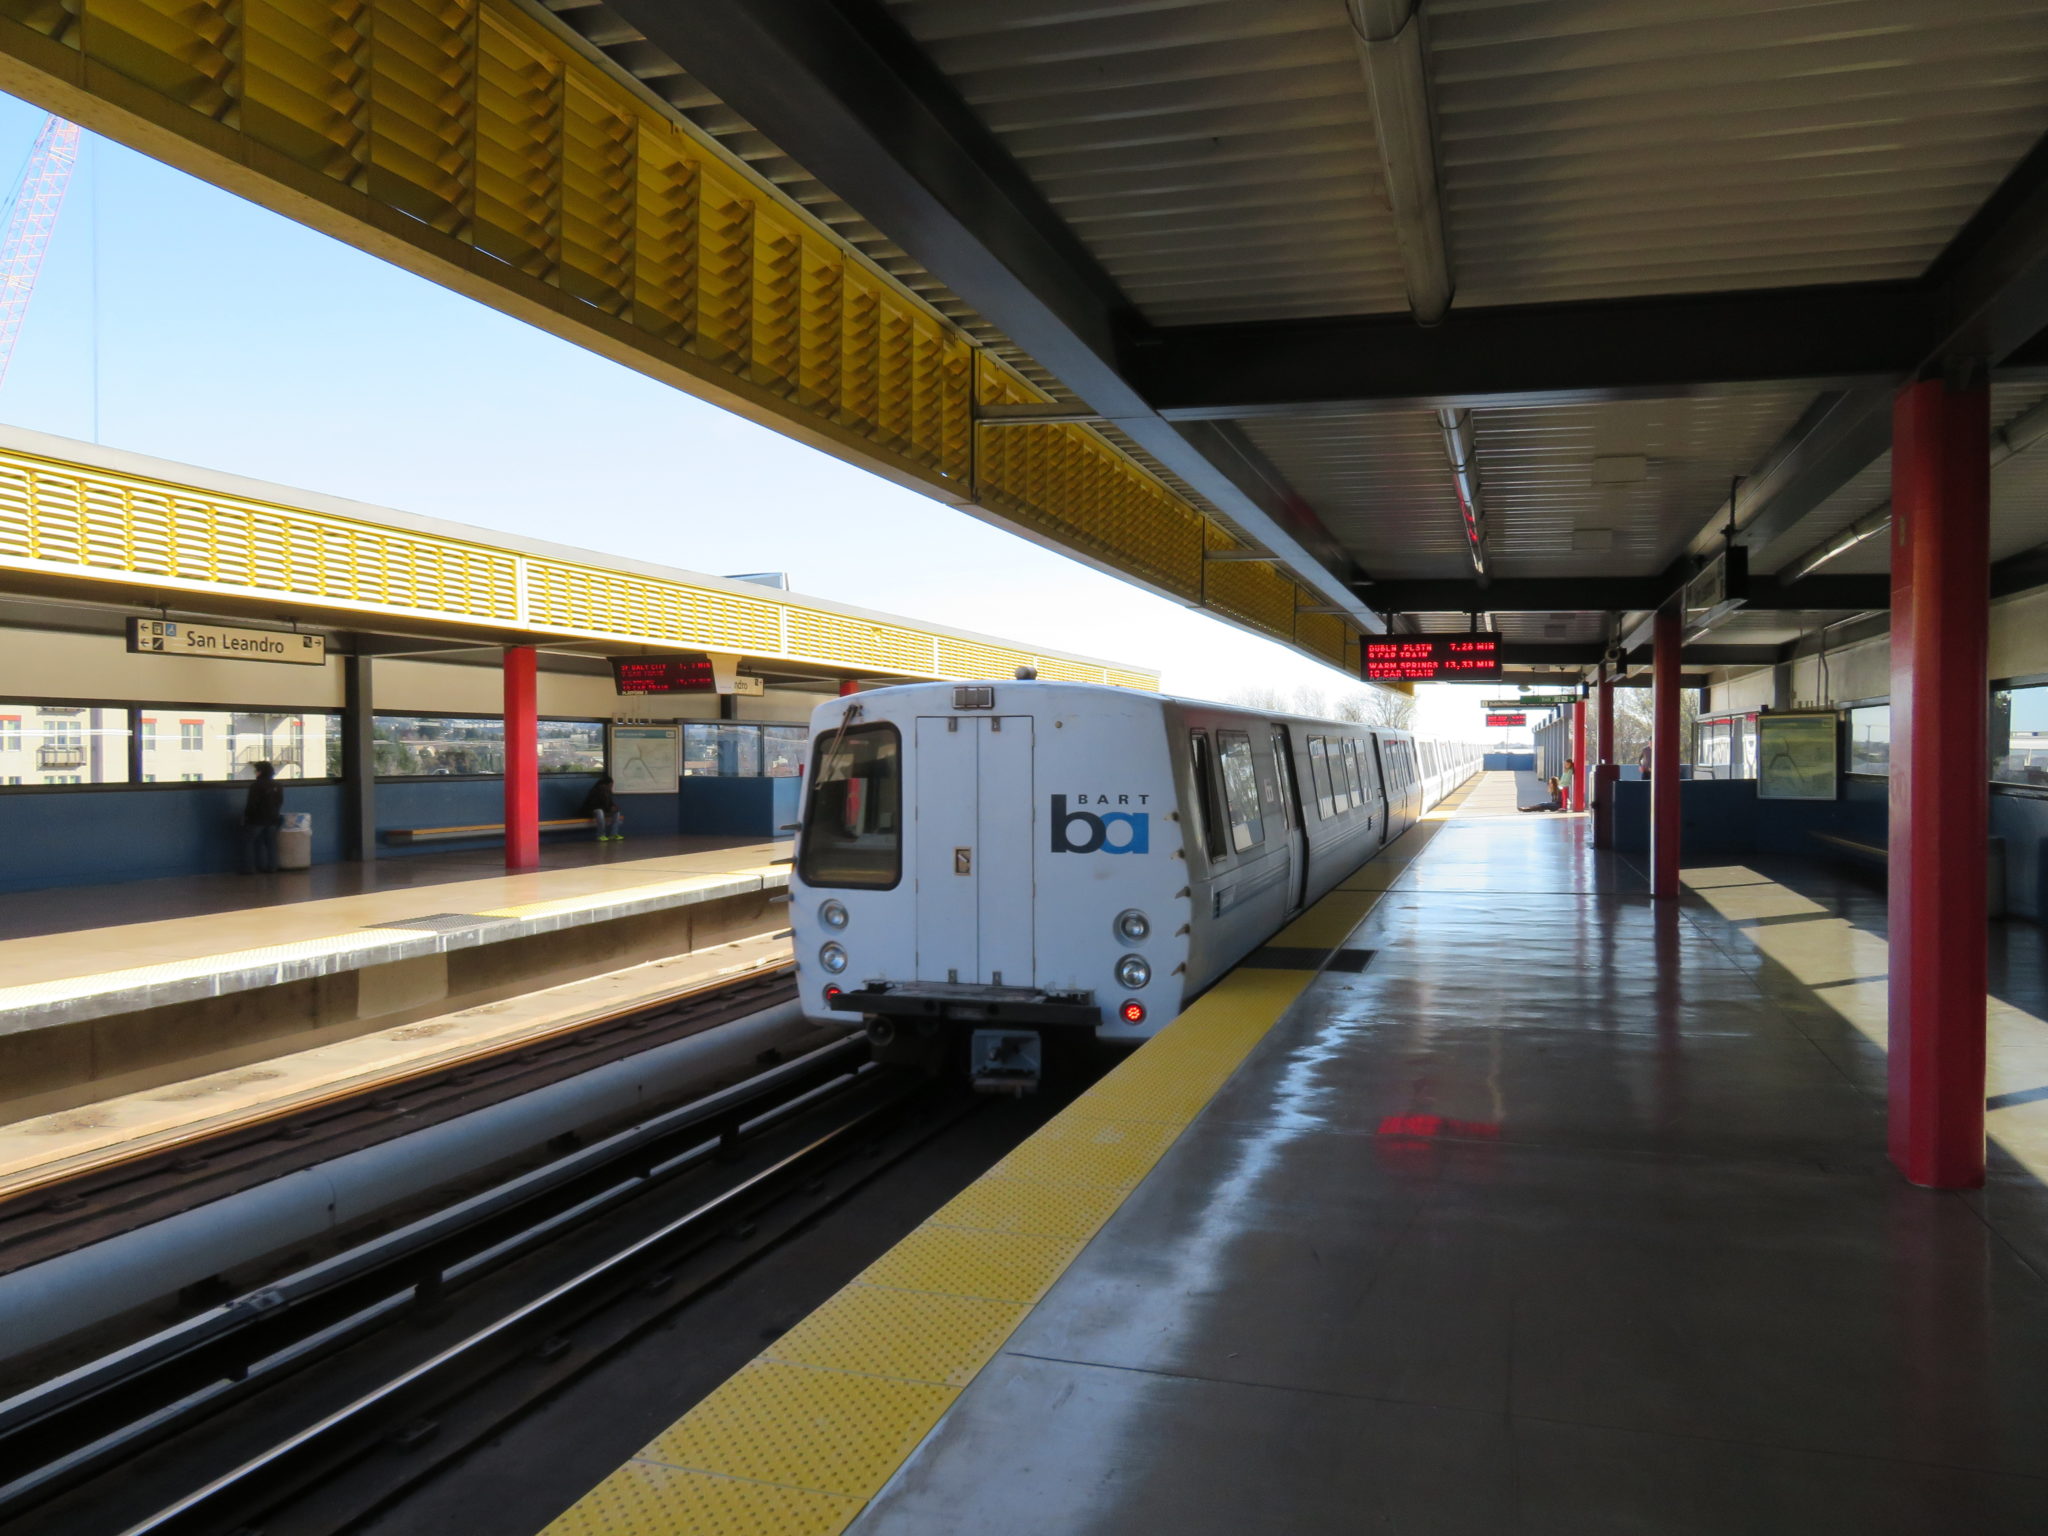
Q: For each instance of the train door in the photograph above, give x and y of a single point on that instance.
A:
(974, 849)
(1375, 785)
(1290, 811)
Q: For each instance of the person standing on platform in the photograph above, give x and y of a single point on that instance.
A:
(1643, 762)
(1564, 784)
(262, 814)
(602, 809)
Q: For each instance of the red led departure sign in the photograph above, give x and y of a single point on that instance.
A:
(1505, 720)
(663, 674)
(1433, 658)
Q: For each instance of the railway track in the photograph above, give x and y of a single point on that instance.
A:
(70, 1208)
(436, 1333)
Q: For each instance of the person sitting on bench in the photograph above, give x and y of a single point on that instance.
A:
(602, 809)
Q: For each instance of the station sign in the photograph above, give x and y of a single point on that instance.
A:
(1469, 658)
(224, 642)
(1546, 701)
(683, 673)
(1507, 720)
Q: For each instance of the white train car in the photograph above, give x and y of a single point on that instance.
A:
(1024, 860)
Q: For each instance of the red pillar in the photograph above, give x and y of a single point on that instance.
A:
(1664, 818)
(522, 759)
(848, 686)
(1579, 755)
(1940, 810)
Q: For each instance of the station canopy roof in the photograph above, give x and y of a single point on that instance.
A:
(90, 536)
(1514, 308)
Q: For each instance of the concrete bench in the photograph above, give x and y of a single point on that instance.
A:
(406, 836)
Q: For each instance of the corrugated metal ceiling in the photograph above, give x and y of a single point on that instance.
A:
(1218, 159)
(1619, 488)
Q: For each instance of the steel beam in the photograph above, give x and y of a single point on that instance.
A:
(1547, 353)
(1666, 822)
(846, 93)
(1617, 594)
(522, 758)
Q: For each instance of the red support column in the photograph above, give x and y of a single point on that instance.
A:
(522, 759)
(1664, 814)
(1940, 799)
(1579, 755)
(1608, 771)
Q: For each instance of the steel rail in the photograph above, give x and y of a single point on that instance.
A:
(483, 1231)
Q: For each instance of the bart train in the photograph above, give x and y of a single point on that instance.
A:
(1024, 862)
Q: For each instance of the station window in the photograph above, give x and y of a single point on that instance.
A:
(1870, 739)
(1241, 790)
(64, 743)
(572, 746)
(473, 746)
(853, 828)
(727, 749)
(221, 746)
(2019, 736)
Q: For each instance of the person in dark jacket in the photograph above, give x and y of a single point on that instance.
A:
(262, 813)
(602, 809)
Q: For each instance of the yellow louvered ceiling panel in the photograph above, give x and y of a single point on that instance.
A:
(845, 641)
(59, 518)
(966, 659)
(609, 220)
(563, 596)
(58, 515)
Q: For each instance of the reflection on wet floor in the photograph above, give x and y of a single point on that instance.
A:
(1830, 947)
(1568, 1214)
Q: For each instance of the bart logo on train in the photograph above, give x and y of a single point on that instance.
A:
(1096, 826)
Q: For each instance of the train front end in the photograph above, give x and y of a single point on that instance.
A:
(987, 873)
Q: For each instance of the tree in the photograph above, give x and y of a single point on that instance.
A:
(1364, 706)
(1633, 711)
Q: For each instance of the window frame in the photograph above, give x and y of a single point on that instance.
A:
(159, 708)
(1319, 777)
(1208, 803)
(819, 753)
(1254, 820)
(604, 724)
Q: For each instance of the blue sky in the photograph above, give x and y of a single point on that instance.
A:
(174, 319)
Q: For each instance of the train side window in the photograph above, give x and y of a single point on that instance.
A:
(1319, 771)
(1357, 794)
(1241, 790)
(1283, 771)
(1207, 821)
(1368, 773)
(853, 821)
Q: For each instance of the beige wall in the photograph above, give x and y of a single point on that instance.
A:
(2019, 648)
(41, 664)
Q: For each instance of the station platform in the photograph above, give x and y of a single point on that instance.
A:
(104, 993)
(1545, 1210)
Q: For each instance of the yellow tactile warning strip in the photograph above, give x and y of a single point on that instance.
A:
(799, 1441)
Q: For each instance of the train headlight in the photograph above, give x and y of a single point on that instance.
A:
(833, 958)
(1133, 971)
(1133, 927)
(833, 915)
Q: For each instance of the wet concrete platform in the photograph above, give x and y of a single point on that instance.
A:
(1564, 1215)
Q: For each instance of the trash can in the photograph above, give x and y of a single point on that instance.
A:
(295, 841)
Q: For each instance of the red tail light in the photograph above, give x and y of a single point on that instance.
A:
(832, 992)
(1133, 1012)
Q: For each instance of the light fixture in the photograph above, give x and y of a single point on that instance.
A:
(833, 915)
(1133, 971)
(1133, 926)
(833, 958)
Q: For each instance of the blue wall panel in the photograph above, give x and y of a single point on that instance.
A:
(462, 802)
(739, 807)
(101, 835)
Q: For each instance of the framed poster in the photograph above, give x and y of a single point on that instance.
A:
(1797, 756)
(646, 759)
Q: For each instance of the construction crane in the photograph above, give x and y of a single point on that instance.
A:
(31, 220)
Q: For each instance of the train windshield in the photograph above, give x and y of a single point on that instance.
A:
(853, 825)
